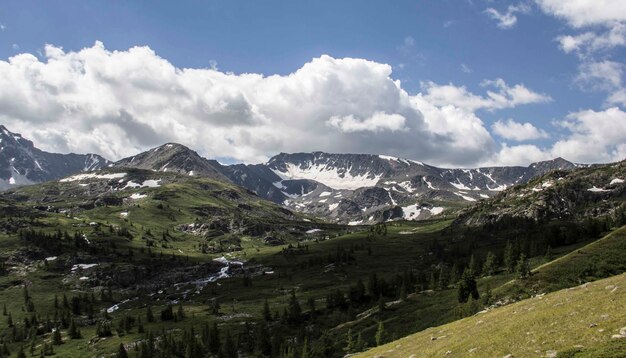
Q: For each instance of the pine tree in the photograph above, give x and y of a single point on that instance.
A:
(380, 334)
(149, 314)
(229, 349)
(360, 343)
(467, 287)
(56, 337)
(121, 352)
(489, 267)
(443, 277)
(73, 331)
(294, 311)
(523, 266)
(349, 342)
(4, 309)
(267, 314)
(473, 266)
(509, 257)
(381, 304)
(305, 348)
(214, 338)
(10, 320)
(20, 353)
(549, 255)
(26, 295)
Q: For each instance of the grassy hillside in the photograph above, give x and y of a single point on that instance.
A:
(602, 258)
(581, 319)
(157, 240)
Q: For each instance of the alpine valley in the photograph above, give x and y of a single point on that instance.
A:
(169, 254)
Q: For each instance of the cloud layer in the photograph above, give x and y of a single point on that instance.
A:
(118, 103)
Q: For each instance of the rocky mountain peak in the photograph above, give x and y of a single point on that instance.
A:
(22, 163)
(177, 158)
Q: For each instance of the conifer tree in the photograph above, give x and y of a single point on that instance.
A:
(267, 314)
(349, 342)
(549, 255)
(149, 315)
(523, 266)
(73, 331)
(305, 348)
(121, 351)
(56, 337)
(380, 334)
(489, 267)
(509, 257)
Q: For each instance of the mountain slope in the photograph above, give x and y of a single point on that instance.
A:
(412, 190)
(587, 316)
(176, 158)
(574, 195)
(21, 163)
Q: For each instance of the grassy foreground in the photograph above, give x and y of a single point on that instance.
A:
(583, 318)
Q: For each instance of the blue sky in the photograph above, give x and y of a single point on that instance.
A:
(443, 42)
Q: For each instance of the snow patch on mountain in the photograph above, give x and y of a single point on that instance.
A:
(331, 177)
(79, 177)
(460, 185)
(465, 197)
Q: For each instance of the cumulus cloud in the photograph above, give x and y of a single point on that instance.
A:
(507, 19)
(118, 103)
(376, 123)
(519, 132)
(581, 13)
(501, 96)
(601, 75)
(605, 25)
(593, 136)
(587, 43)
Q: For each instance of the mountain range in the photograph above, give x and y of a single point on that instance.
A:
(344, 188)
(21, 163)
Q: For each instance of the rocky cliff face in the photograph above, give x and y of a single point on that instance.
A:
(22, 163)
(565, 195)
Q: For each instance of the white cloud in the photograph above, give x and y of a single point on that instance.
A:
(522, 154)
(376, 123)
(587, 43)
(605, 22)
(513, 130)
(602, 75)
(118, 103)
(581, 13)
(465, 68)
(504, 95)
(507, 19)
(2, 27)
(594, 137)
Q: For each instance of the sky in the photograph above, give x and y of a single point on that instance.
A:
(457, 83)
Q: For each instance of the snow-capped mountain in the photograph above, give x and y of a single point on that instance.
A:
(362, 188)
(21, 163)
(348, 188)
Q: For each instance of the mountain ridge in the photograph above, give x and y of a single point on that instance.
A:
(21, 163)
(344, 188)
